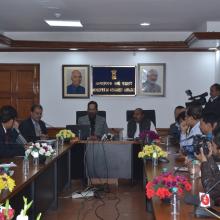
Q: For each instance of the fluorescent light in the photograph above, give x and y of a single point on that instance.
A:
(142, 49)
(62, 23)
(212, 48)
(73, 49)
(145, 24)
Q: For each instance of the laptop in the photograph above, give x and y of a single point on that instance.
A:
(80, 130)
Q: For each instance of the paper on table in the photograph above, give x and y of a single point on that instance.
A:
(8, 165)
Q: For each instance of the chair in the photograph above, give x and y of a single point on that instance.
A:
(83, 113)
(149, 114)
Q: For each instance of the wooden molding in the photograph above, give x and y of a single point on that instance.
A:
(5, 40)
(177, 46)
(196, 36)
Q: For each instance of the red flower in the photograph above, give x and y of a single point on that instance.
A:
(188, 186)
(180, 191)
(150, 193)
(2, 217)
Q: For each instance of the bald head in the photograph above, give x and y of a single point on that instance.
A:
(76, 77)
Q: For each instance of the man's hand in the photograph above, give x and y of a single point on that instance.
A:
(15, 124)
(201, 157)
(184, 127)
(43, 137)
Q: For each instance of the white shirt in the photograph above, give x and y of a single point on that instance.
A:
(137, 132)
(184, 138)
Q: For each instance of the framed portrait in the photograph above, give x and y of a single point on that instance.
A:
(152, 79)
(75, 81)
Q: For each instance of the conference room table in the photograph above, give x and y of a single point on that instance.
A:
(162, 210)
(46, 181)
(43, 183)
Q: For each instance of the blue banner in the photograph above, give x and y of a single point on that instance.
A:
(113, 80)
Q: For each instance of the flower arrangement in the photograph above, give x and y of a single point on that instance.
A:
(148, 151)
(6, 182)
(6, 212)
(65, 134)
(23, 214)
(40, 149)
(148, 137)
(162, 185)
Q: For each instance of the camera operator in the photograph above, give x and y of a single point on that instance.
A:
(213, 105)
(210, 173)
(190, 127)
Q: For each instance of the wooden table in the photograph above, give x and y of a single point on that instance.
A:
(161, 210)
(43, 183)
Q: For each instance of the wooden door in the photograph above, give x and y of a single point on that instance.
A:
(19, 87)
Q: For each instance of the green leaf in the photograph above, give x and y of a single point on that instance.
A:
(39, 216)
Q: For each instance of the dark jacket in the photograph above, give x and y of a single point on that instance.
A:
(213, 107)
(210, 174)
(174, 132)
(132, 127)
(28, 131)
(8, 145)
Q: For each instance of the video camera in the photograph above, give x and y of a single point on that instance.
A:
(196, 100)
(201, 141)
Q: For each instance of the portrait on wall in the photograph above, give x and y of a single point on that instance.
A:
(151, 79)
(75, 80)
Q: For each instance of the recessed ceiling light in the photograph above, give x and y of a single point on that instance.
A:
(73, 49)
(142, 49)
(145, 24)
(63, 23)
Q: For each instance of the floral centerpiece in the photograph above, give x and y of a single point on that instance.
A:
(161, 186)
(23, 214)
(66, 134)
(40, 150)
(6, 182)
(148, 137)
(6, 212)
(149, 150)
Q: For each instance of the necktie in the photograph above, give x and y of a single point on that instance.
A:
(37, 129)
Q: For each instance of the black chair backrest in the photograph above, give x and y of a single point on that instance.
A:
(83, 113)
(149, 114)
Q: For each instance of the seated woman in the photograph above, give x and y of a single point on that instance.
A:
(210, 173)
(190, 127)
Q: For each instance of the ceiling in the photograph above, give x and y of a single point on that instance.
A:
(108, 15)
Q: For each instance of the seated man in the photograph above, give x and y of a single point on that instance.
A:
(34, 128)
(138, 124)
(175, 127)
(97, 123)
(210, 173)
(8, 135)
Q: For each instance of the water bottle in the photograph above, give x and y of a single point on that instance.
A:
(26, 166)
(174, 202)
(155, 158)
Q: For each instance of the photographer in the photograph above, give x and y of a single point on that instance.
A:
(213, 105)
(190, 127)
(208, 123)
(210, 173)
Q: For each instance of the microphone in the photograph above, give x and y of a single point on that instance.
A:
(20, 139)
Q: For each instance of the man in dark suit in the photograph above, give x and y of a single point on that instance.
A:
(138, 124)
(8, 135)
(175, 127)
(34, 128)
(213, 105)
(97, 123)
